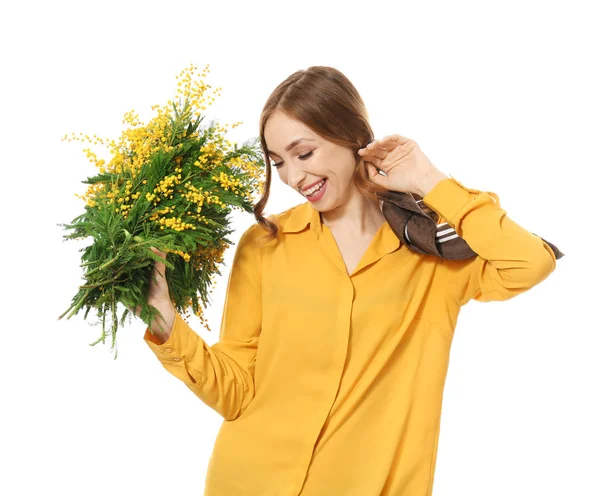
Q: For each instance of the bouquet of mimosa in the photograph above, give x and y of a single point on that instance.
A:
(169, 184)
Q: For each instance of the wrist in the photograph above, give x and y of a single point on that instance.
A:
(166, 319)
(429, 181)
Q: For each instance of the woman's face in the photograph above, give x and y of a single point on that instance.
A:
(309, 161)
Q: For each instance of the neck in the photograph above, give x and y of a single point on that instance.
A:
(359, 216)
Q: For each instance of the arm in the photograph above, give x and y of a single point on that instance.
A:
(510, 259)
(222, 375)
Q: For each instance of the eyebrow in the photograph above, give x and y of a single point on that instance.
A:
(293, 144)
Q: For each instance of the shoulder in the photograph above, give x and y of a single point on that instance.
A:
(281, 218)
(257, 232)
(251, 234)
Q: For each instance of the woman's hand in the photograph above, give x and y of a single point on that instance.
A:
(159, 289)
(158, 297)
(406, 167)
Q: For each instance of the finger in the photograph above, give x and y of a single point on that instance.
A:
(397, 138)
(389, 144)
(373, 173)
(377, 150)
(159, 266)
(373, 152)
(373, 160)
(158, 252)
(404, 148)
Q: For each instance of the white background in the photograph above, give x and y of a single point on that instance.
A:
(502, 95)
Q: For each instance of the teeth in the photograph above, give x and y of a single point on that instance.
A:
(314, 188)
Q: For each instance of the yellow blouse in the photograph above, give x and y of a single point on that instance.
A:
(331, 384)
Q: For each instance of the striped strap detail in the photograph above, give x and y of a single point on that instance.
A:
(444, 231)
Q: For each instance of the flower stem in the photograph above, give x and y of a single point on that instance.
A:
(75, 306)
(103, 266)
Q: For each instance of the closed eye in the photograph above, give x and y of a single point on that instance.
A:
(301, 157)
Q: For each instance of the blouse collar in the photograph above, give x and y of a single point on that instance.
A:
(304, 214)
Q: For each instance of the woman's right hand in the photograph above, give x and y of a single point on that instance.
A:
(158, 297)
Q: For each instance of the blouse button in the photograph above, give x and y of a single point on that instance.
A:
(177, 359)
(168, 350)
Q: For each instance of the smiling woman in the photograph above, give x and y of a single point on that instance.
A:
(316, 138)
(335, 337)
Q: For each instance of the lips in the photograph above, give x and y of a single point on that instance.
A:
(313, 184)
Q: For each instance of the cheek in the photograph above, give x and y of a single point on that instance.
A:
(283, 177)
(343, 166)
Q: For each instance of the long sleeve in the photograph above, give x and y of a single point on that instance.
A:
(222, 375)
(510, 259)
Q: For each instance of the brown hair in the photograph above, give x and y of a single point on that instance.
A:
(324, 100)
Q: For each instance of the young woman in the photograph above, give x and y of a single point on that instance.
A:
(335, 336)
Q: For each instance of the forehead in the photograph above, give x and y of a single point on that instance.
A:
(281, 130)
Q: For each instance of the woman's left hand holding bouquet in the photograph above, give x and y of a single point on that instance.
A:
(158, 297)
(171, 184)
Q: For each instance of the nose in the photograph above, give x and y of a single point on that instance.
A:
(295, 176)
